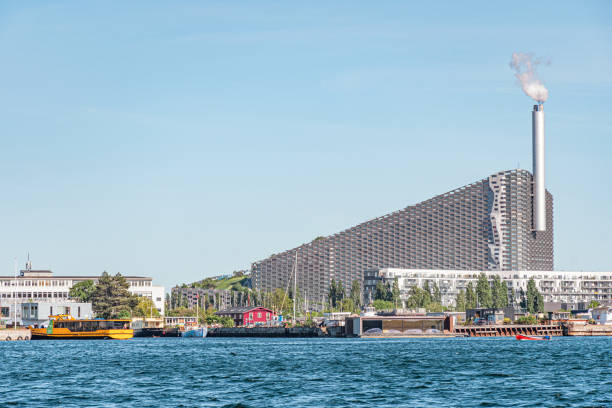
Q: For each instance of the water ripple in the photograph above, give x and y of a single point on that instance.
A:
(307, 372)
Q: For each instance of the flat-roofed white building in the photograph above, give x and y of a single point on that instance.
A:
(42, 286)
(555, 286)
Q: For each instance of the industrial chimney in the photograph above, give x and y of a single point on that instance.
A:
(539, 184)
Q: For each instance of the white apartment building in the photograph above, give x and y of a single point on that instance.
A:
(42, 286)
(555, 286)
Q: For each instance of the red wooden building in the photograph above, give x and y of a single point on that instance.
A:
(248, 316)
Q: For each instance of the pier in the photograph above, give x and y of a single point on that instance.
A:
(510, 330)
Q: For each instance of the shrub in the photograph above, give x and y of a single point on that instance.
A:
(527, 320)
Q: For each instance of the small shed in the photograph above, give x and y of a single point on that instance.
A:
(249, 316)
(603, 315)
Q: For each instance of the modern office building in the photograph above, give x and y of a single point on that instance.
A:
(567, 287)
(484, 226)
(32, 286)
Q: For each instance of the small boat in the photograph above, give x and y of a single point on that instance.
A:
(194, 332)
(66, 327)
(521, 337)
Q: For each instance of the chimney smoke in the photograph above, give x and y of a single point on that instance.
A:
(524, 66)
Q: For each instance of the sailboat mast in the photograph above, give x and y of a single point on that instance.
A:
(295, 287)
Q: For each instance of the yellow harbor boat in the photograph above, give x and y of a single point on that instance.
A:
(67, 327)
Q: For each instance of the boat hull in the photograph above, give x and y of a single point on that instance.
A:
(124, 334)
(199, 332)
(522, 337)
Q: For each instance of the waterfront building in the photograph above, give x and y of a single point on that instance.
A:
(180, 320)
(556, 286)
(486, 225)
(190, 297)
(249, 316)
(43, 286)
(37, 313)
(602, 314)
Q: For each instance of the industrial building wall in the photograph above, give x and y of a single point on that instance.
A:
(460, 229)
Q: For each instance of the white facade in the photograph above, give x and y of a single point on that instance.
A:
(555, 286)
(603, 315)
(43, 286)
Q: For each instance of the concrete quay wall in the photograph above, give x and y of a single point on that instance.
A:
(510, 330)
(15, 334)
(265, 332)
(582, 329)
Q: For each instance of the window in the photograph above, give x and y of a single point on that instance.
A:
(259, 315)
(251, 316)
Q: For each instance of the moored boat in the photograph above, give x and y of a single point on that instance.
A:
(66, 327)
(194, 332)
(522, 337)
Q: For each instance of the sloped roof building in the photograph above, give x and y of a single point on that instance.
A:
(486, 225)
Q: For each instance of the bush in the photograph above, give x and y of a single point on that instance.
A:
(527, 320)
(383, 305)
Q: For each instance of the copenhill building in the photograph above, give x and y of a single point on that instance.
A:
(486, 225)
(501, 223)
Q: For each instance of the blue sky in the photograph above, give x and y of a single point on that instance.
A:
(187, 139)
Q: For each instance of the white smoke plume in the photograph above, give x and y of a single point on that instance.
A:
(525, 67)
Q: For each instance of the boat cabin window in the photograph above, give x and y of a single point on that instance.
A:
(90, 325)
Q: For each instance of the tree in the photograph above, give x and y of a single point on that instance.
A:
(539, 304)
(280, 302)
(483, 292)
(382, 292)
(436, 295)
(395, 292)
(111, 297)
(427, 290)
(499, 291)
(532, 295)
(145, 308)
(593, 304)
(380, 304)
(347, 305)
(82, 290)
(356, 293)
(336, 293)
(470, 297)
(419, 298)
(507, 302)
(522, 300)
(460, 301)
(181, 311)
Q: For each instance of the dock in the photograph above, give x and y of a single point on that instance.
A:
(265, 332)
(510, 330)
(581, 328)
(15, 334)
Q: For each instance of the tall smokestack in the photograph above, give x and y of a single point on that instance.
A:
(539, 182)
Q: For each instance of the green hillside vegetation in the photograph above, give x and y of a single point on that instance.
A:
(234, 283)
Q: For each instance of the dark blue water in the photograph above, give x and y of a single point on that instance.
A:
(307, 373)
